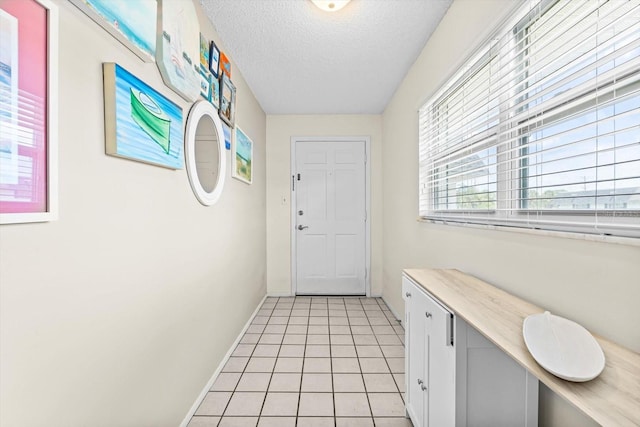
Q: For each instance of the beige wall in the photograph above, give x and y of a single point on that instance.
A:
(280, 129)
(596, 284)
(118, 313)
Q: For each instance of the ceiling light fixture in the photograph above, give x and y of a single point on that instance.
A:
(330, 5)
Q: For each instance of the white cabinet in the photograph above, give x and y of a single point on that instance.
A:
(454, 376)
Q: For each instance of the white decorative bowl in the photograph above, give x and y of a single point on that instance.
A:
(563, 347)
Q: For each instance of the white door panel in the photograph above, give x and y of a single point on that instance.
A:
(330, 205)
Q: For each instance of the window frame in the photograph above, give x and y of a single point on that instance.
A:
(509, 197)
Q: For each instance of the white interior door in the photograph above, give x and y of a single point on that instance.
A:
(330, 217)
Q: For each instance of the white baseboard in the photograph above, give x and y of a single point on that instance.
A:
(209, 384)
(279, 294)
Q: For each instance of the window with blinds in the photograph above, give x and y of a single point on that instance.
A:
(541, 128)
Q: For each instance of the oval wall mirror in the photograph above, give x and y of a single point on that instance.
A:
(204, 153)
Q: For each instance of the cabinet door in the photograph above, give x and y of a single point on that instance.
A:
(499, 392)
(441, 365)
(415, 352)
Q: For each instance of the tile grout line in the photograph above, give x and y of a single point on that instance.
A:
(273, 368)
(333, 391)
(389, 366)
(304, 350)
(249, 360)
(364, 384)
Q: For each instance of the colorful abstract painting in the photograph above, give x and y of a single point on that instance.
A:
(8, 99)
(28, 111)
(131, 22)
(243, 156)
(140, 123)
(225, 64)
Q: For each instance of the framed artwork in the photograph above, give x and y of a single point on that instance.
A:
(178, 47)
(242, 156)
(227, 101)
(214, 60)
(140, 123)
(204, 51)
(133, 23)
(215, 93)
(227, 136)
(28, 111)
(205, 83)
(225, 65)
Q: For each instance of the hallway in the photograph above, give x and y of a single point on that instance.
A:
(312, 362)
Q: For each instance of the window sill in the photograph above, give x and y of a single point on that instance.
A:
(629, 241)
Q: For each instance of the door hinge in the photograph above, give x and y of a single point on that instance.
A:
(298, 177)
(293, 183)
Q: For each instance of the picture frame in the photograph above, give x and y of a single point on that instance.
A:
(225, 65)
(215, 92)
(132, 23)
(242, 157)
(204, 51)
(228, 136)
(178, 47)
(28, 112)
(227, 100)
(205, 83)
(214, 60)
(141, 124)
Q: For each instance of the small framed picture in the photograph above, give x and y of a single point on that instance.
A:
(215, 93)
(227, 136)
(214, 60)
(205, 83)
(225, 65)
(204, 51)
(242, 157)
(227, 101)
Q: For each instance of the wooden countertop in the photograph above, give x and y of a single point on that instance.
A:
(611, 399)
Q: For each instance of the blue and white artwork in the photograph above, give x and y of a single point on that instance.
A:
(133, 22)
(178, 47)
(227, 136)
(141, 124)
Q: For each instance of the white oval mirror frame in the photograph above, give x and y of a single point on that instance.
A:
(204, 109)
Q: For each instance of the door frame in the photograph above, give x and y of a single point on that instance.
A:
(367, 204)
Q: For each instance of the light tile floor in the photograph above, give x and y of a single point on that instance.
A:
(313, 362)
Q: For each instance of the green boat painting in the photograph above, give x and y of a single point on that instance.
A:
(150, 117)
(140, 123)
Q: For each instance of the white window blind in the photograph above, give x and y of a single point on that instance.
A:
(541, 128)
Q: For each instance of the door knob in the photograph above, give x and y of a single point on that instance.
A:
(423, 387)
(408, 294)
(427, 314)
(302, 227)
(419, 381)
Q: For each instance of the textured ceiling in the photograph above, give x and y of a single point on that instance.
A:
(298, 59)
